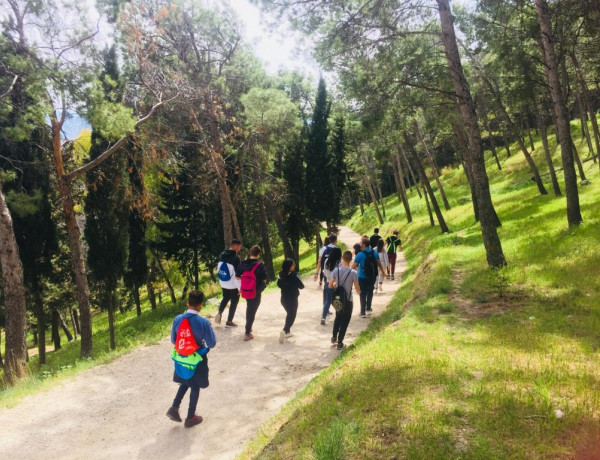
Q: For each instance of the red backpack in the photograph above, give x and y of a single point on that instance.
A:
(185, 344)
(248, 283)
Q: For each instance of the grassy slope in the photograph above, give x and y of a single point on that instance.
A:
(467, 362)
(130, 331)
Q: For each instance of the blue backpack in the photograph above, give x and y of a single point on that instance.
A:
(223, 273)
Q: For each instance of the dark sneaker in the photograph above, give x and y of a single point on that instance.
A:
(333, 340)
(218, 318)
(248, 337)
(322, 321)
(173, 414)
(230, 324)
(329, 313)
(392, 276)
(340, 346)
(193, 421)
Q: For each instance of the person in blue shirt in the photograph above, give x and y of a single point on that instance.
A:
(205, 339)
(368, 270)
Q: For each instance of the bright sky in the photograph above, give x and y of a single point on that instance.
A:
(279, 49)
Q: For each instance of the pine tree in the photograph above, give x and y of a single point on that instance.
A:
(106, 210)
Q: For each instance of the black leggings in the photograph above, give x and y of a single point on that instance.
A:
(291, 308)
(251, 307)
(194, 395)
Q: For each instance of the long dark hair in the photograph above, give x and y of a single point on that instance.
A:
(333, 259)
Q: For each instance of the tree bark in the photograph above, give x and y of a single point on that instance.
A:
(267, 254)
(431, 221)
(562, 118)
(410, 170)
(14, 297)
(380, 194)
(74, 239)
(551, 170)
(40, 315)
(506, 144)
(360, 203)
(74, 321)
(427, 186)
(165, 277)
(486, 125)
(587, 98)
(464, 146)
(110, 297)
(404, 197)
(55, 330)
(372, 193)
(433, 167)
(578, 162)
(288, 251)
(63, 326)
(487, 215)
(136, 298)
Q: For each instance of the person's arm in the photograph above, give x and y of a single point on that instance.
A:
(318, 268)
(206, 333)
(173, 332)
(331, 283)
(356, 286)
(299, 282)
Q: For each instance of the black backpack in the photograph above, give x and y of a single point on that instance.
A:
(340, 298)
(370, 268)
(325, 255)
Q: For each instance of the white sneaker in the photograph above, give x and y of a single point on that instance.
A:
(218, 318)
(281, 336)
(288, 335)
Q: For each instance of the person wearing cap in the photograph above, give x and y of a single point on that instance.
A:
(393, 243)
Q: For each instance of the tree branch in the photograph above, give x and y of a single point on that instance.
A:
(117, 145)
(10, 88)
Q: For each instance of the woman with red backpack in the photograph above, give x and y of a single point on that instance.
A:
(253, 280)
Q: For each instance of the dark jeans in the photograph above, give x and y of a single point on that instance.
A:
(234, 296)
(340, 324)
(366, 293)
(327, 298)
(194, 395)
(392, 258)
(291, 308)
(251, 307)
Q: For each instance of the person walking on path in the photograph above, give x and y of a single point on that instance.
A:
(374, 238)
(321, 251)
(393, 243)
(383, 258)
(252, 273)
(346, 277)
(323, 254)
(193, 337)
(290, 284)
(368, 263)
(226, 267)
(333, 260)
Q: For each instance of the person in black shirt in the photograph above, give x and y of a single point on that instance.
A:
(261, 283)
(374, 238)
(290, 284)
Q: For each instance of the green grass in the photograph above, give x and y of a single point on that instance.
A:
(131, 332)
(468, 362)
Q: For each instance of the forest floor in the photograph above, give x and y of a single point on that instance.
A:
(118, 410)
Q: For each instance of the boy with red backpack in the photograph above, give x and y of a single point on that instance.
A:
(253, 280)
(192, 337)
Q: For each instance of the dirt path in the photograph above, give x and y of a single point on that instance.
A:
(117, 410)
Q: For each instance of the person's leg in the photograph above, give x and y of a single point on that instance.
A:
(226, 297)
(235, 298)
(392, 265)
(344, 322)
(194, 395)
(369, 296)
(291, 310)
(363, 283)
(336, 325)
(251, 307)
(181, 391)
(327, 302)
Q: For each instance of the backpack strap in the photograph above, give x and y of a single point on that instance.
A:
(255, 267)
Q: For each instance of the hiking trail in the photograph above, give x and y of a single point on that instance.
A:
(117, 410)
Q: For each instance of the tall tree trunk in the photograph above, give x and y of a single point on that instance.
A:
(151, 295)
(380, 194)
(404, 197)
(165, 276)
(63, 326)
(464, 147)
(1, 361)
(74, 239)
(14, 297)
(562, 117)
(578, 162)
(487, 127)
(551, 170)
(267, 254)
(429, 157)
(136, 298)
(55, 330)
(585, 132)
(74, 321)
(487, 214)
(431, 221)
(371, 192)
(528, 129)
(110, 295)
(396, 178)
(506, 143)
(587, 97)
(410, 170)
(427, 186)
(360, 203)
(288, 251)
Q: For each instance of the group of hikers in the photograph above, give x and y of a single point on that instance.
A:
(373, 260)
